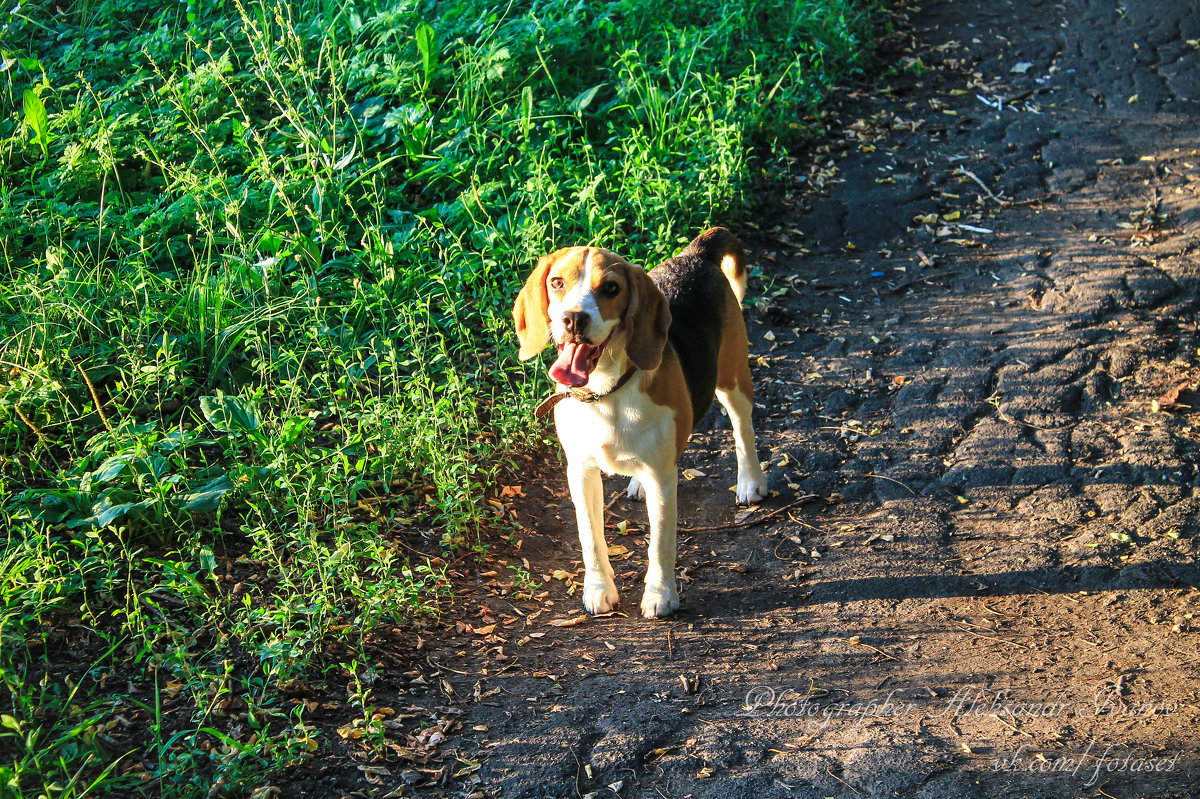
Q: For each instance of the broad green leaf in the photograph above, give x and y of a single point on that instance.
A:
(427, 44)
(105, 512)
(585, 99)
(112, 468)
(38, 120)
(229, 414)
(338, 555)
(293, 429)
(345, 160)
(207, 498)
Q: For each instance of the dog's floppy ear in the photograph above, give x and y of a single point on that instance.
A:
(647, 319)
(530, 312)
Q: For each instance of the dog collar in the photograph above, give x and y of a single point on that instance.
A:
(581, 394)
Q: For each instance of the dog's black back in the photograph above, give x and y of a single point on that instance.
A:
(696, 291)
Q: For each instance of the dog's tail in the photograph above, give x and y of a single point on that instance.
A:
(720, 245)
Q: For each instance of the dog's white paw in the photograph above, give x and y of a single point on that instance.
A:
(635, 489)
(751, 489)
(600, 598)
(659, 600)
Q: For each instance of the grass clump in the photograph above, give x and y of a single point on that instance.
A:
(256, 264)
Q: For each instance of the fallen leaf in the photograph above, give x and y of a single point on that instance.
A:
(568, 622)
(1170, 399)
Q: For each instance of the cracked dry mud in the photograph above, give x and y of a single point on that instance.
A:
(993, 594)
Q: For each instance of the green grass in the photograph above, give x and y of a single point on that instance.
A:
(256, 266)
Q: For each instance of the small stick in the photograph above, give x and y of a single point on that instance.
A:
(962, 170)
(842, 781)
(751, 522)
(1011, 726)
(872, 648)
(995, 612)
(814, 528)
(890, 480)
(429, 659)
(805, 742)
(997, 640)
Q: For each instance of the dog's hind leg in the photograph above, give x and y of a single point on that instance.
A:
(634, 490)
(587, 492)
(735, 391)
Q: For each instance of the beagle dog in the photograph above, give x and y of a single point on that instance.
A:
(640, 356)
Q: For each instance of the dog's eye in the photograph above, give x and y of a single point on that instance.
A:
(610, 288)
(556, 283)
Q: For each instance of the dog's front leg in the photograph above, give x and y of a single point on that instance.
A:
(587, 492)
(661, 596)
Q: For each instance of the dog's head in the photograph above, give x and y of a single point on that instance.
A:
(591, 300)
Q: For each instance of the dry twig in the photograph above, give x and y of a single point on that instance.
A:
(750, 522)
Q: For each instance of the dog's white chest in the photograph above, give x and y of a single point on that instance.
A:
(621, 435)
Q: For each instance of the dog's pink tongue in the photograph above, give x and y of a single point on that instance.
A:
(572, 366)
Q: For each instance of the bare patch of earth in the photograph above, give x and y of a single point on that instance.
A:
(976, 347)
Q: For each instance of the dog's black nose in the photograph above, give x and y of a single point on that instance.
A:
(575, 322)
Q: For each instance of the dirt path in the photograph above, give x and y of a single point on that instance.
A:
(993, 594)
